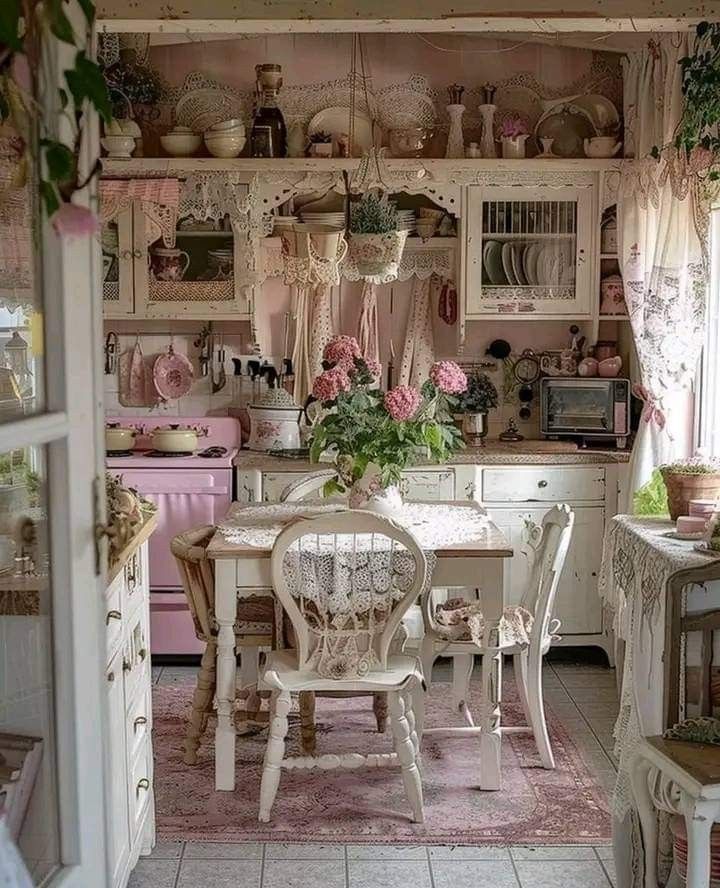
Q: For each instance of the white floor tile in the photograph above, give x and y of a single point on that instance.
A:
(561, 874)
(309, 874)
(166, 851)
(468, 852)
(154, 874)
(474, 874)
(219, 873)
(386, 852)
(388, 874)
(303, 851)
(224, 850)
(553, 852)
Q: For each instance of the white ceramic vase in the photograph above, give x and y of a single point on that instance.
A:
(513, 147)
(455, 142)
(369, 494)
(487, 141)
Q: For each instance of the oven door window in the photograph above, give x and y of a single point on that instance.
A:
(579, 409)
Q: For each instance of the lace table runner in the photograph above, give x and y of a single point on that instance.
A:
(434, 525)
(639, 559)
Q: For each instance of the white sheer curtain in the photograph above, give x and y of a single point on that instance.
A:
(661, 255)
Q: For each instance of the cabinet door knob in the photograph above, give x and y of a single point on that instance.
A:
(112, 615)
(142, 653)
(140, 720)
(111, 676)
(126, 254)
(142, 784)
(542, 483)
(137, 253)
(127, 665)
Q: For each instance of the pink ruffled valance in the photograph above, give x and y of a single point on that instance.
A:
(159, 199)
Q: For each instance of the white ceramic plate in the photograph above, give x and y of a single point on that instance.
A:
(336, 121)
(568, 126)
(603, 113)
(517, 262)
(530, 262)
(492, 257)
(507, 250)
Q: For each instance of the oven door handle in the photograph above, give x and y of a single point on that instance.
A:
(202, 489)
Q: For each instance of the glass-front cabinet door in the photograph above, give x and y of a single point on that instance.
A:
(118, 265)
(529, 251)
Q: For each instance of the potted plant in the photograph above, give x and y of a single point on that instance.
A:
(376, 246)
(479, 397)
(688, 479)
(373, 435)
(514, 133)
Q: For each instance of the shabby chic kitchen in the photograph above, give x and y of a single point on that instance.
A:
(412, 446)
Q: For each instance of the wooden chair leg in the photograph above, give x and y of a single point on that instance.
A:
(308, 733)
(202, 704)
(405, 749)
(380, 708)
(274, 753)
(427, 657)
(520, 667)
(537, 710)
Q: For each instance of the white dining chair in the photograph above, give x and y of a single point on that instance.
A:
(344, 616)
(526, 633)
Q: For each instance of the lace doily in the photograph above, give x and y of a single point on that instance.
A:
(434, 525)
(460, 620)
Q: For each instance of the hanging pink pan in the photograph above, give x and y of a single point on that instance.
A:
(173, 375)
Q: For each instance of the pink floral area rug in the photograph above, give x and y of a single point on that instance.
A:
(535, 806)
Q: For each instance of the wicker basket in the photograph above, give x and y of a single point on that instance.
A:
(683, 487)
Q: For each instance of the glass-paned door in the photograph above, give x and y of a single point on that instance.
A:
(118, 265)
(529, 251)
(51, 705)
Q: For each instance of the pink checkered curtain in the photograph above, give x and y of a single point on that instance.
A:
(368, 322)
(419, 350)
(16, 255)
(663, 223)
(159, 199)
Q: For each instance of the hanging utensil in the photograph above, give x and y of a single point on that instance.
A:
(111, 353)
(219, 381)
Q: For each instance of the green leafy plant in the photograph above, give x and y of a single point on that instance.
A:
(26, 27)
(651, 498)
(480, 395)
(373, 214)
(697, 133)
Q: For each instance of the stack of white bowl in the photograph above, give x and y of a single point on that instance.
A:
(181, 141)
(328, 219)
(226, 138)
(406, 220)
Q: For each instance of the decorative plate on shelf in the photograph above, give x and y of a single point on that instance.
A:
(492, 260)
(202, 108)
(507, 251)
(602, 112)
(568, 126)
(336, 122)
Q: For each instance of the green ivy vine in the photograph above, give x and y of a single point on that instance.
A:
(26, 26)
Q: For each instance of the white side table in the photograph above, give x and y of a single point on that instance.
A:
(681, 778)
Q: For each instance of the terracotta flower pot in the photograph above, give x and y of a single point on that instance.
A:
(683, 487)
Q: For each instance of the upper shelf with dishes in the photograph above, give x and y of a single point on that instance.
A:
(345, 119)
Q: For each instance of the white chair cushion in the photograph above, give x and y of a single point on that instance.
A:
(281, 673)
(459, 620)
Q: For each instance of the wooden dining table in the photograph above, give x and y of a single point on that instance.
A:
(242, 570)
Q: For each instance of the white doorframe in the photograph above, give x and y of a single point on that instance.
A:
(71, 427)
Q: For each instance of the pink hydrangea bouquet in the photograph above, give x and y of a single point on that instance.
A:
(369, 429)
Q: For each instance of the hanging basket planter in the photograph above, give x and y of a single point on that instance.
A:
(377, 256)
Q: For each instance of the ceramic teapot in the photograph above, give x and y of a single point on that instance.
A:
(601, 146)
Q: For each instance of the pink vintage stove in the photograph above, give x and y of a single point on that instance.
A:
(189, 491)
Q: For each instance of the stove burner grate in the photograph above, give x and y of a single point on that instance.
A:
(115, 454)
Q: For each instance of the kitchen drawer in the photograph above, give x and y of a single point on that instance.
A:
(139, 722)
(114, 595)
(140, 788)
(425, 486)
(134, 576)
(537, 484)
(136, 656)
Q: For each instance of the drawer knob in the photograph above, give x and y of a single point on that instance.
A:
(542, 483)
(127, 665)
(111, 676)
(142, 784)
(140, 720)
(142, 653)
(112, 615)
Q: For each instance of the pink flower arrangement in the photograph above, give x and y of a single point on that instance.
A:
(402, 402)
(328, 385)
(512, 127)
(71, 220)
(374, 368)
(448, 377)
(342, 350)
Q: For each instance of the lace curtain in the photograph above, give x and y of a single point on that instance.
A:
(17, 284)
(661, 256)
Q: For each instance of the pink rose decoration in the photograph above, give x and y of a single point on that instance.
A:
(374, 368)
(448, 377)
(402, 402)
(71, 220)
(342, 350)
(329, 384)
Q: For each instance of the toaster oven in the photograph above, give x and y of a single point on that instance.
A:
(585, 408)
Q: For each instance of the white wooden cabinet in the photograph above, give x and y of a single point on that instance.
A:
(129, 755)
(530, 249)
(130, 290)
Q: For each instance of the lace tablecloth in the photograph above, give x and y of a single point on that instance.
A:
(434, 525)
(640, 557)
